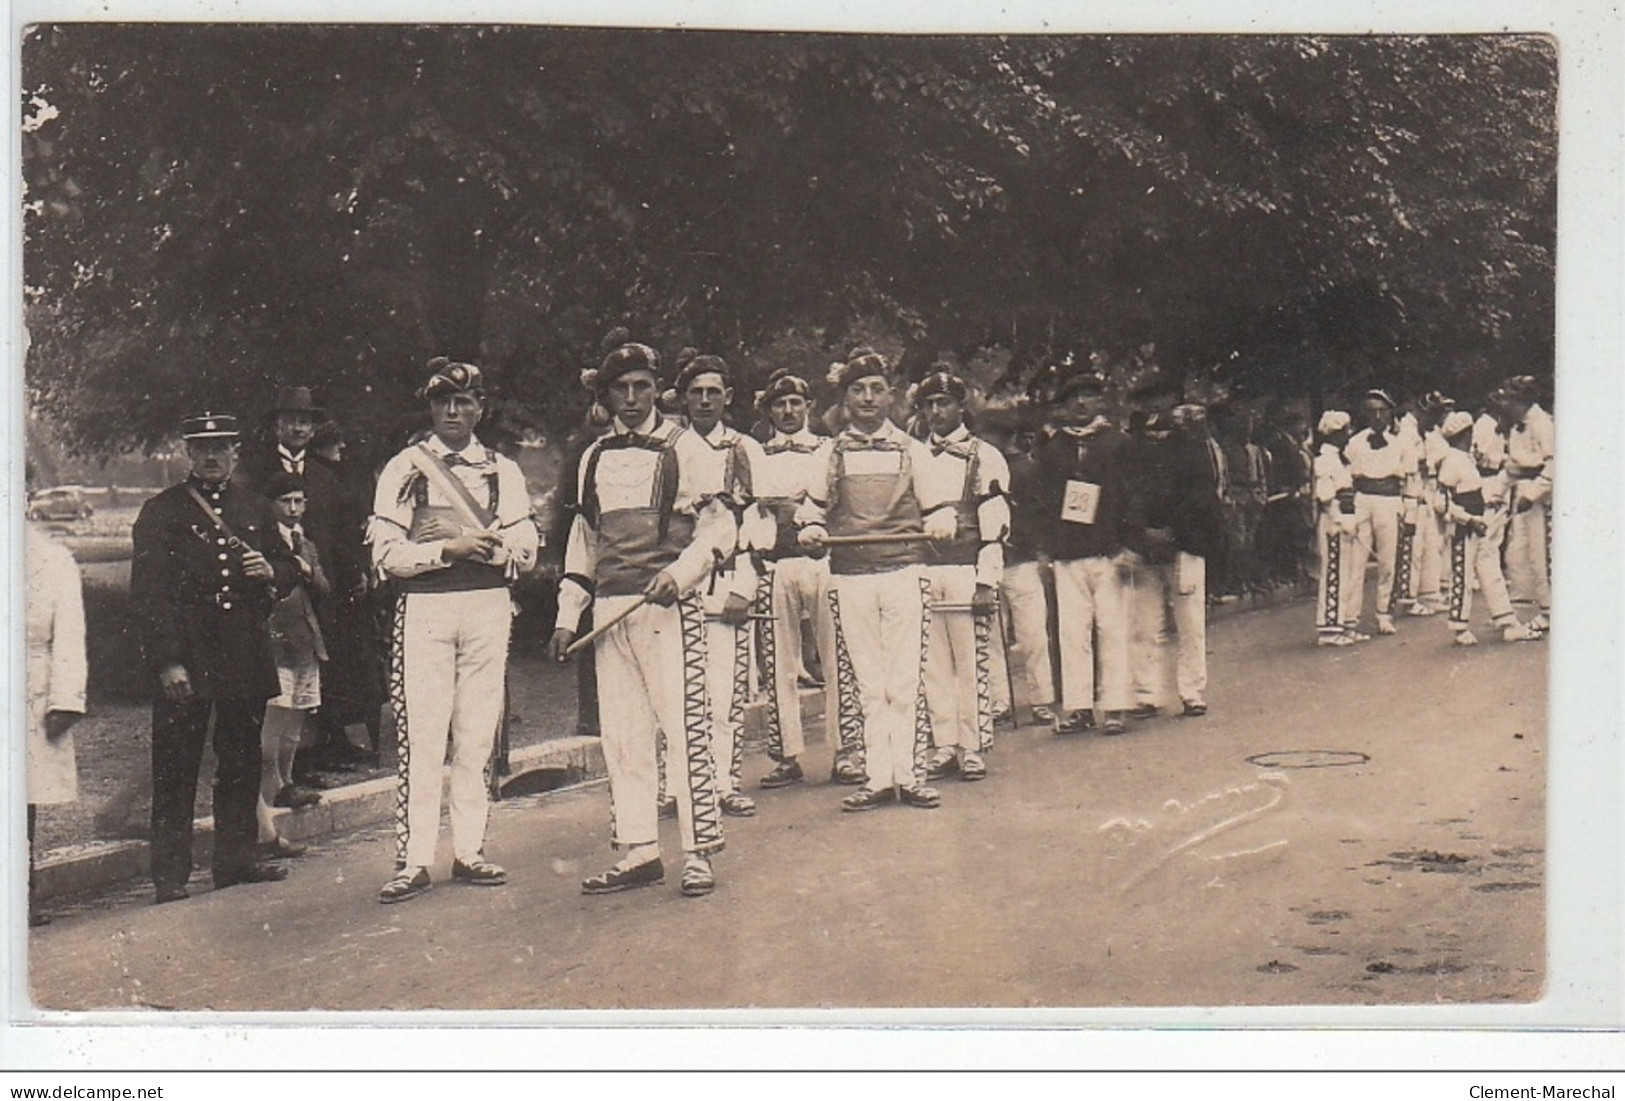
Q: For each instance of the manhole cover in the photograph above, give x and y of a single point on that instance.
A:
(1308, 758)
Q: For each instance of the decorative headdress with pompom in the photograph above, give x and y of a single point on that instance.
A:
(782, 384)
(622, 355)
(691, 365)
(861, 363)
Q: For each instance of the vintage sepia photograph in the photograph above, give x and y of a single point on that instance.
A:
(549, 518)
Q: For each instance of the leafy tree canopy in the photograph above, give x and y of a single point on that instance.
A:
(216, 210)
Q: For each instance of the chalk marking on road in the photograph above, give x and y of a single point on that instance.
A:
(1238, 854)
(1121, 823)
(1277, 785)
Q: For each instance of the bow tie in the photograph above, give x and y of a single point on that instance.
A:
(780, 447)
(959, 449)
(869, 443)
(630, 439)
(456, 458)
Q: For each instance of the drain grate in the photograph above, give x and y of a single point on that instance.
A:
(1308, 758)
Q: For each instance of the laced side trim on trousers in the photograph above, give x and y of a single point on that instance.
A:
(1458, 579)
(983, 626)
(767, 641)
(1331, 614)
(736, 706)
(397, 706)
(849, 717)
(922, 710)
(697, 715)
(1402, 568)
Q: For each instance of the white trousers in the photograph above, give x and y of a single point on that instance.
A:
(652, 672)
(1091, 598)
(1333, 546)
(1527, 570)
(1000, 683)
(450, 657)
(1028, 604)
(1376, 531)
(1430, 569)
(958, 666)
(798, 588)
(883, 633)
(727, 665)
(1478, 557)
(1179, 589)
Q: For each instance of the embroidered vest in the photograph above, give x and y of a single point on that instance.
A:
(628, 497)
(458, 576)
(872, 493)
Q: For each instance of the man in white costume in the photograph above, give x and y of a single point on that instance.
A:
(1531, 446)
(451, 525)
(1334, 530)
(705, 390)
(797, 583)
(877, 489)
(1383, 466)
(650, 527)
(965, 577)
(1474, 507)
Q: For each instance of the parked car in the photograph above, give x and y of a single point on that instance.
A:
(59, 503)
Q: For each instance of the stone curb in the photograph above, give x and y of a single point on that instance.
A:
(98, 864)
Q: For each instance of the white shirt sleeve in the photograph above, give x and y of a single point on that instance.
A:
(580, 573)
(716, 533)
(393, 553)
(813, 510)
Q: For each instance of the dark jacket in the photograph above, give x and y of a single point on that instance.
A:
(334, 516)
(1105, 459)
(194, 605)
(1026, 515)
(1176, 488)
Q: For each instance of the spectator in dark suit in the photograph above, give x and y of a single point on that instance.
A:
(333, 518)
(1178, 526)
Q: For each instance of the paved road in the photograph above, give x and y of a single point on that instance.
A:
(1177, 865)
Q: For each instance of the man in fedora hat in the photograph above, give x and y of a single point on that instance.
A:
(334, 523)
(451, 524)
(203, 578)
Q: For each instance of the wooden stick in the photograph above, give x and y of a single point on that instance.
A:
(587, 639)
(979, 610)
(862, 540)
(758, 616)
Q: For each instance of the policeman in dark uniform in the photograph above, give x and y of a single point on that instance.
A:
(203, 580)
